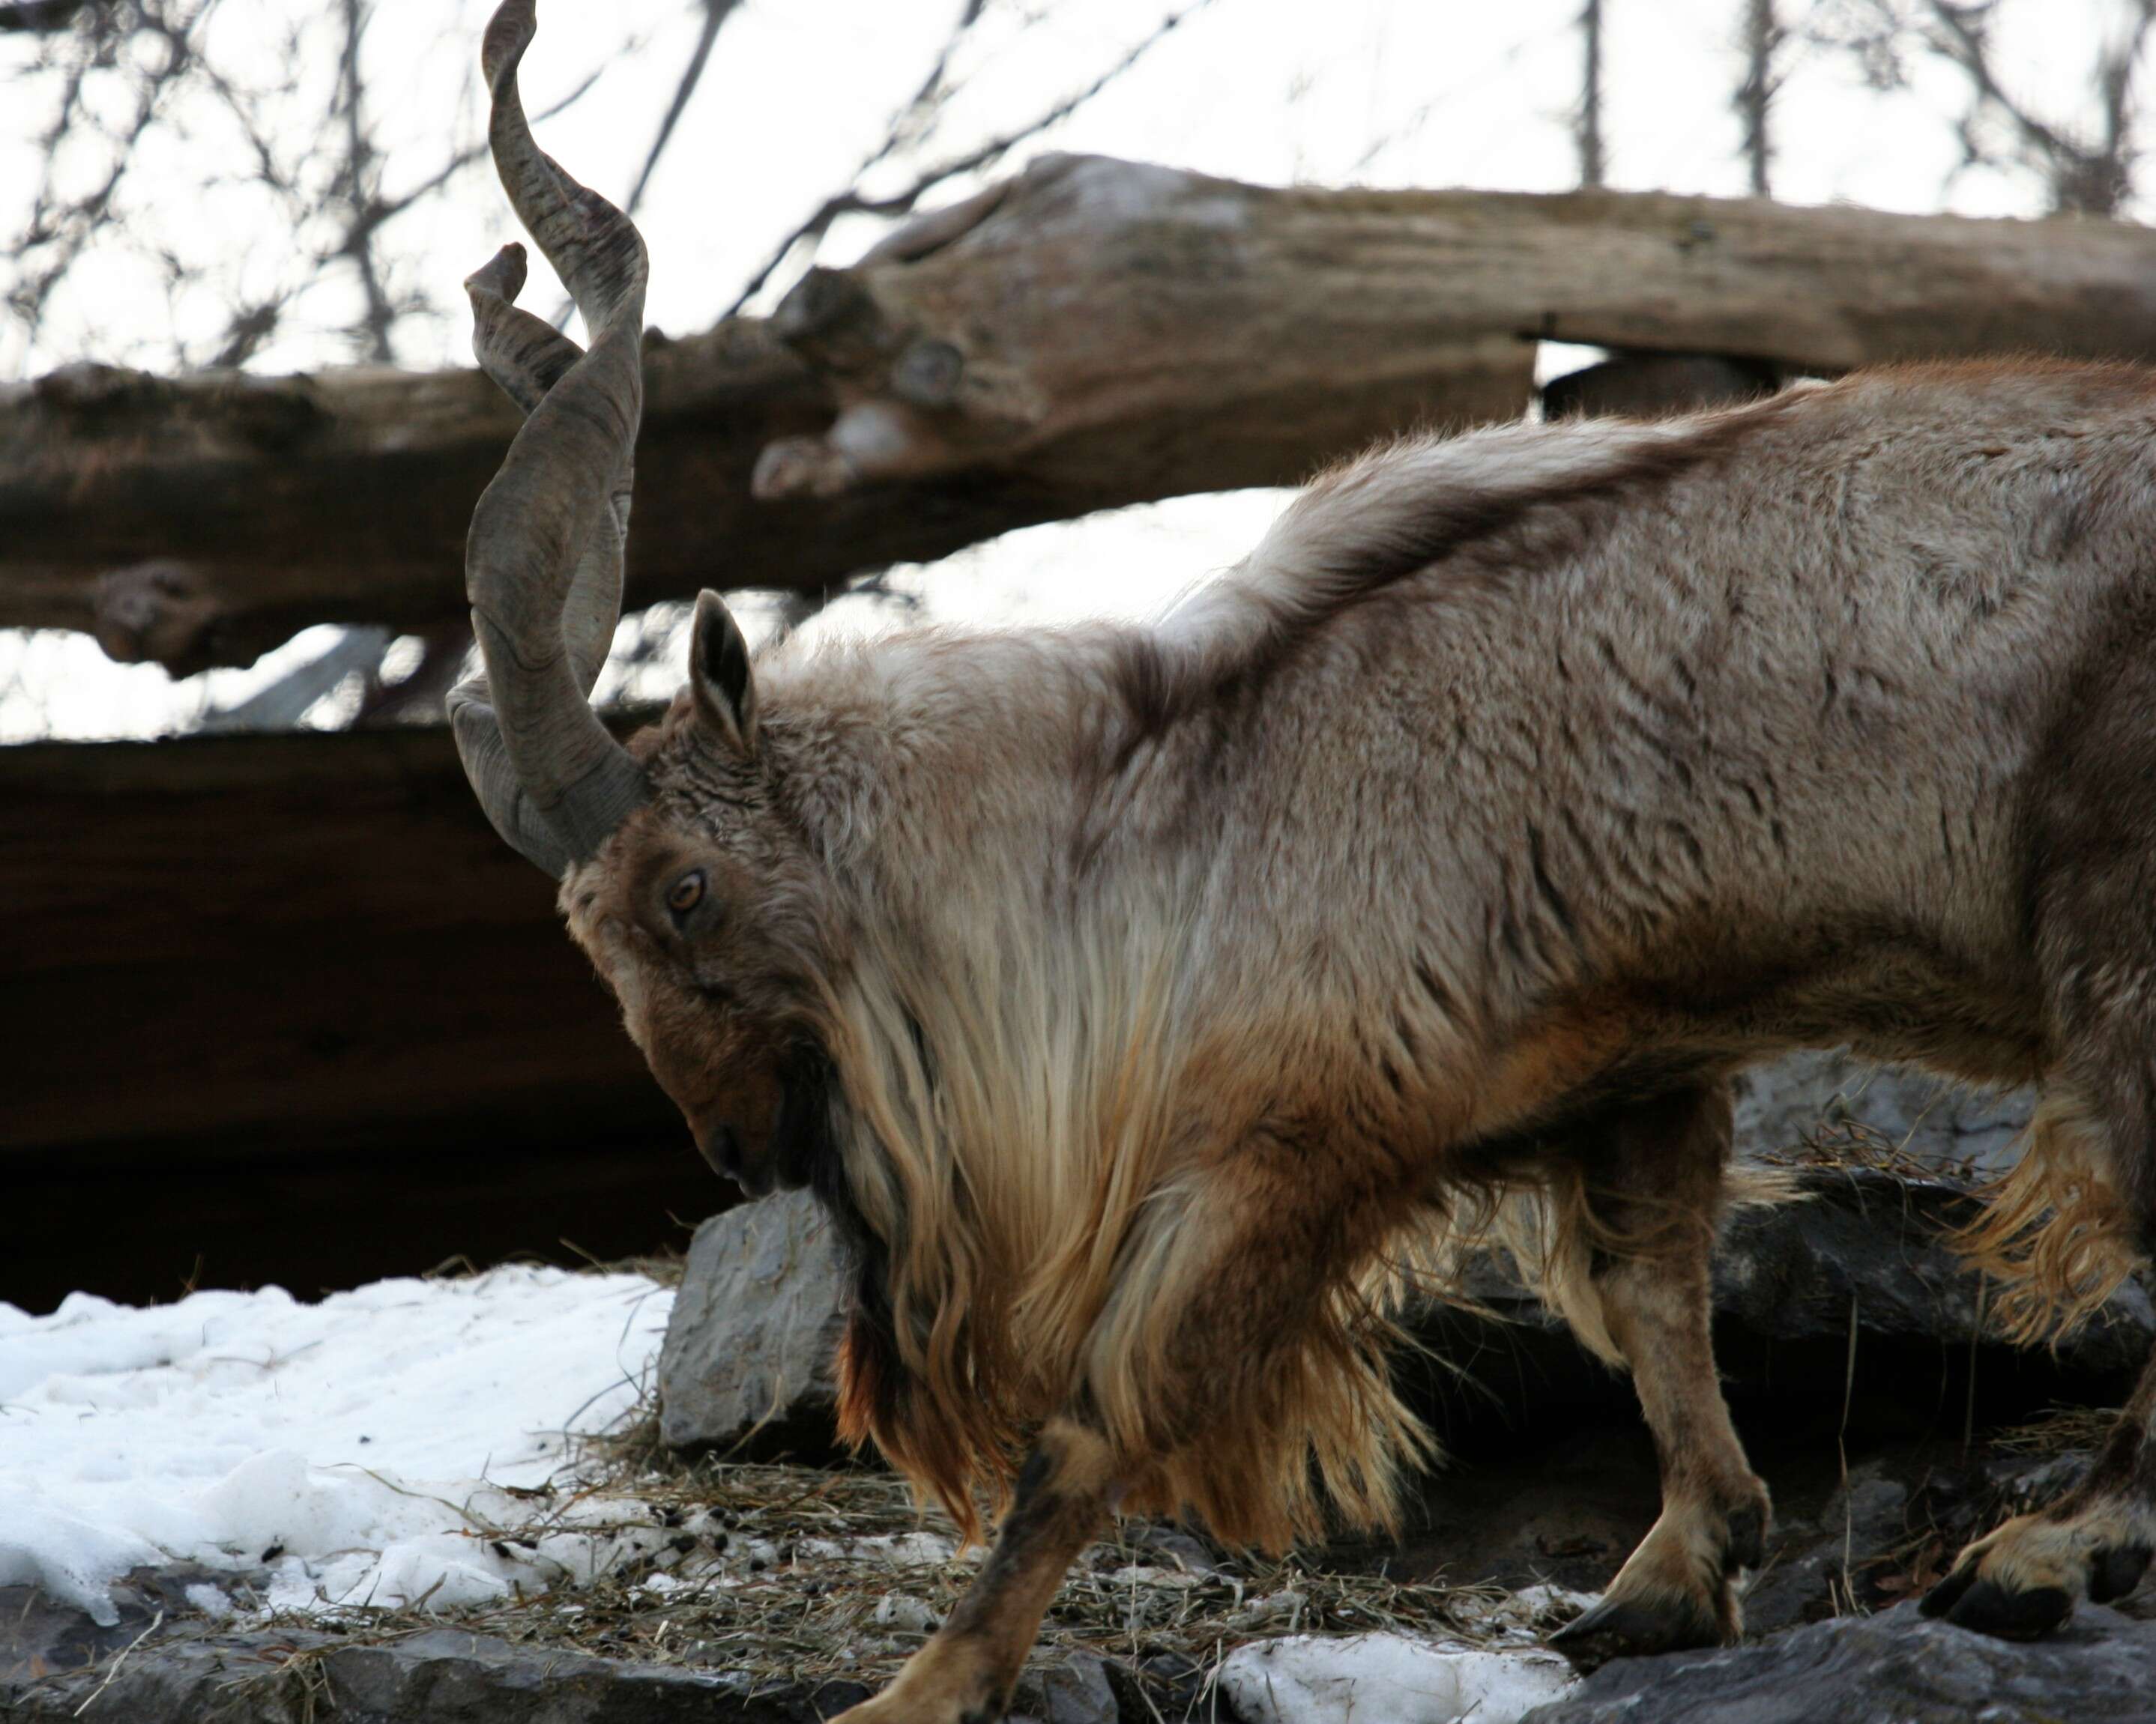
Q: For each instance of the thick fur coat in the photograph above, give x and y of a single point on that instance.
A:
(1512, 777)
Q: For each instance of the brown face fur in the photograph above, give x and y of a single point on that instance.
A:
(700, 914)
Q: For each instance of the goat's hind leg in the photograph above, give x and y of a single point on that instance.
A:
(1654, 1181)
(2094, 1543)
(2095, 947)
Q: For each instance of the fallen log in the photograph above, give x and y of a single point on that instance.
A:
(1091, 333)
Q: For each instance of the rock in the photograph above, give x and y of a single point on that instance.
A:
(1791, 1272)
(1074, 1691)
(40, 1634)
(748, 1360)
(1174, 1546)
(443, 1676)
(1817, 1566)
(1897, 1666)
(1309, 1678)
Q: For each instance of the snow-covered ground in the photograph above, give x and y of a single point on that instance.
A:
(365, 1450)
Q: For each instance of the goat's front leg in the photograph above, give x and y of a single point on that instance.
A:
(1653, 1181)
(1222, 1275)
(965, 1672)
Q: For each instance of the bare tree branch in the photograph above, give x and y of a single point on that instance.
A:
(716, 14)
(2083, 175)
(418, 697)
(62, 228)
(284, 702)
(855, 201)
(355, 182)
(127, 77)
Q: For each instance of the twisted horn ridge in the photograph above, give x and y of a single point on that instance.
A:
(543, 557)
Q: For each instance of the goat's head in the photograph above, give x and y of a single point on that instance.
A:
(707, 914)
(681, 875)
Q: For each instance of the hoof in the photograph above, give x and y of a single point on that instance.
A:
(1635, 1628)
(1748, 1539)
(2115, 1572)
(2025, 1579)
(1969, 1602)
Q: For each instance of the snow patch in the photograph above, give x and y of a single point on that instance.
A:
(363, 1449)
(1362, 1678)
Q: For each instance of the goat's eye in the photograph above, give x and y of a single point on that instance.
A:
(686, 893)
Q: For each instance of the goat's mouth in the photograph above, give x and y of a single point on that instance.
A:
(799, 1139)
(720, 1147)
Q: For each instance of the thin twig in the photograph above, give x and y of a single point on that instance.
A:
(119, 1658)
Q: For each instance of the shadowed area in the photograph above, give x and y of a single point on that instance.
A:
(286, 1006)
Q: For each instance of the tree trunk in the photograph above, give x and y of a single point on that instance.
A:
(1092, 333)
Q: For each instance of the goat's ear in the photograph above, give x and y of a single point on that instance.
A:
(719, 673)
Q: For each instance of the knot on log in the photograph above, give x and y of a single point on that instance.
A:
(92, 390)
(268, 413)
(161, 613)
(926, 374)
(870, 441)
(831, 317)
(800, 467)
(928, 233)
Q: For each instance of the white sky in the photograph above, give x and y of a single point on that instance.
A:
(1387, 92)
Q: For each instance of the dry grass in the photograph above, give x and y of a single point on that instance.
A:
(665, 1265)
(789, 1573)
(802, 1574)
(1841, 1145)
(2061, 1430)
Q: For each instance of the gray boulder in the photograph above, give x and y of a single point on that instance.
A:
(1878, 1241)
(1074, 1691)
(40, 1635)
(164, 1662)
(1856, 1237)
(746, 1365)
(2100, 1669)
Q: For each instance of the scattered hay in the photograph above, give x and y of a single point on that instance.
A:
(795, 1574)
(2061, 1430)
(665, 1265)
(1842, 1146)
(787, 1573)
